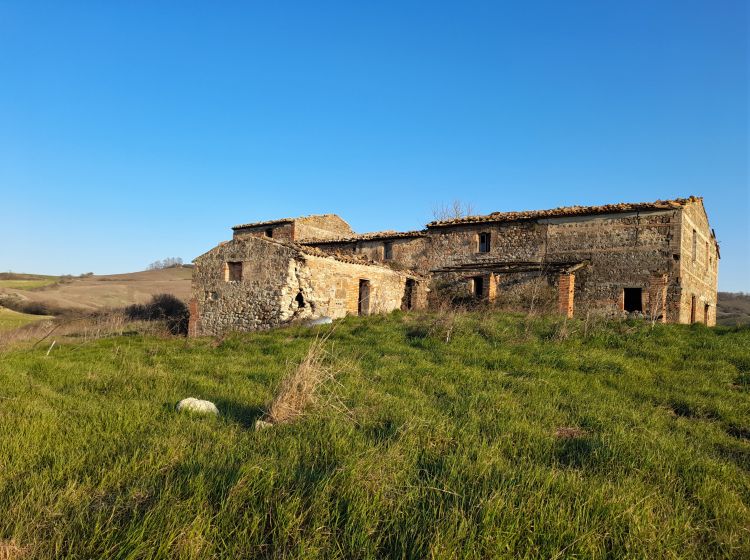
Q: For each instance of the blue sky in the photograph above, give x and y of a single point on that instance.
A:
(134, 131)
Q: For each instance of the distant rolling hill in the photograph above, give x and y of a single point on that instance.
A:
(97, 292)
(733, 309)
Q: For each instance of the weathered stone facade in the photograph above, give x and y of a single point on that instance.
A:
(254, 282)
(658, 259)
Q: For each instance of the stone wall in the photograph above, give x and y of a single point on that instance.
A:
(699, 265)
(281, 283)
(623, 251)
(410, 253)
(254, 301)
(327, 226)
(279, 231)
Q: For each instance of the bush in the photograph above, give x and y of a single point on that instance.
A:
(20, 305)
(162, 307)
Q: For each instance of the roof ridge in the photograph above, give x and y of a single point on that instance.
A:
(575, 210)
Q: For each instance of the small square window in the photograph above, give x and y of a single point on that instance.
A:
(234, 272)
(269, 232)
(387, 250)
(484, 242)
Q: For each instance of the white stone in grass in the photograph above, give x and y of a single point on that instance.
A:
(196, 405)
(320, 321)
(262, 424)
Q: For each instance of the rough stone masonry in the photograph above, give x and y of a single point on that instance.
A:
(656, 259)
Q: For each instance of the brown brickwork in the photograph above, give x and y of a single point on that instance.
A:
(566, 294)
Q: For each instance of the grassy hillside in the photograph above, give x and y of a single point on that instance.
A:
(516, 439)
(12, 320)
(17, 281)
(88, 293)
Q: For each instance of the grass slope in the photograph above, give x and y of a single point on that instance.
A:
(10, 320)
(517, 439)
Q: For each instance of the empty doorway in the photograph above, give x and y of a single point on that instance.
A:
(409, 294)
(478, 287)
(363, 302)
(633, 300)
(692, 309)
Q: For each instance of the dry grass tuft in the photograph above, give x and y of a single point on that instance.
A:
(299, 389)
(569, 433)
(9, 550)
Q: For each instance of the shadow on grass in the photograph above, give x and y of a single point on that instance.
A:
(574, 453)
(241, 413)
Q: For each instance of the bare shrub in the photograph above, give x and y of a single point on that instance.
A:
(452, 211)
(22, 305)
(300, 388)
(533, 296)
(162, 307)
(85, 328)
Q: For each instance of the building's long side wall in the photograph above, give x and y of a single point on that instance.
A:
(629, 250)
(699, 267)
(624, 250)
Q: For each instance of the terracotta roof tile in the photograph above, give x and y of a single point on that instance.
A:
(376, 235)
(567, 211)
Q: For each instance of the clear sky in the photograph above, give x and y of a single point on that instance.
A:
(134, 131)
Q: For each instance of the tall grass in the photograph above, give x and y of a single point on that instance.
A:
(516, 438)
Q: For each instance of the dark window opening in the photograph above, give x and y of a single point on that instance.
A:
(387, 250)
(484, 242)
(234, 271)
(300, 300)
(409, 294)
(692, 309)
(363, 301)
(676, 256)
(695, 245)
(705, 313)
(478, 290)
(269, 232)
(632, 300)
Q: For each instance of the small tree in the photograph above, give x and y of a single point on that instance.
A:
(456, 209)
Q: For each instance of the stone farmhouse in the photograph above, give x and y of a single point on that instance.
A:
(659, 259)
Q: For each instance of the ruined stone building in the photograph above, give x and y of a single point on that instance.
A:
(659, 259)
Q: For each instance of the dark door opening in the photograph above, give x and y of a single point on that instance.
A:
(705, 314)
(478, 287)
(633, 300)
(409, 294)
(363, 302)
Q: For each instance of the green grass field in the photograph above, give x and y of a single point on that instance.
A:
(12, 320)
(18, 281)
(516, 439)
